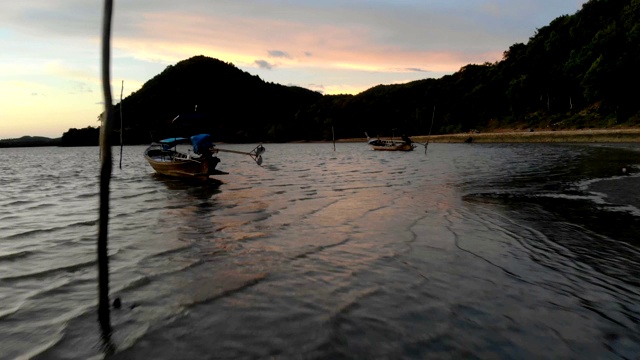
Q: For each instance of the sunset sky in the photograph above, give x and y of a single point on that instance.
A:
(50, 50)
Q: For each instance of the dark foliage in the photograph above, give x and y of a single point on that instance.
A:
(88, 136)
(232, 104)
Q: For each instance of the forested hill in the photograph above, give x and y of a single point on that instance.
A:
(580, 71)
(231, 104)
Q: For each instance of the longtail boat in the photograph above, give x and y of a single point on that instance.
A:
(193, 158)
(390, 144)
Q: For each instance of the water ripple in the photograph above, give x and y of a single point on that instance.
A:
(476, 251)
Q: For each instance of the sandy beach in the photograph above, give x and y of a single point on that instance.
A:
(525, 136)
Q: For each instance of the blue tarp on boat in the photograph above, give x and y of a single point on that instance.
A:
(201, 143)
(171, 142)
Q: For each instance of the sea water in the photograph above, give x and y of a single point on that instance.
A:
(468, 251)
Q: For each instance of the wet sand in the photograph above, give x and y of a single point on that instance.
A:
(560, 136)
(524, 136)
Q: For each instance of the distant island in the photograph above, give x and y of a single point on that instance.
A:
(30, 141)
(88, 136)
(580, 72)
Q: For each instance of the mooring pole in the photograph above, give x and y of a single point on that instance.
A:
(105, 175)
(433, 116)
(121, 128)
(333, 136)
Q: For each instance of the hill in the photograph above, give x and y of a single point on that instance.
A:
(231, 103)
(29, 141)
(580, 71)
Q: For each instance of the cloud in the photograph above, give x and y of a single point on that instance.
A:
(263, 64)
(279, 54)
(316, 87)
(69, 18)
(81, 87)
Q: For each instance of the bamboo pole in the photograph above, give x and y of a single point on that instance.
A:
(121, 128)
(333, 135)
(105, 175)
(430, 127)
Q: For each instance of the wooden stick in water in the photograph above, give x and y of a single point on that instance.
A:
(333, 135)
(121, 129)
(105, 176)
(430, 127)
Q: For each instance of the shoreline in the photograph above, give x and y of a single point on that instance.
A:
(547, 136)
(629, 135)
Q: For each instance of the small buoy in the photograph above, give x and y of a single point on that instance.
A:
(624, 170)
(117, 303)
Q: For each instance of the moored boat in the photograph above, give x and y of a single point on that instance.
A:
(193, 158)
(390, 144)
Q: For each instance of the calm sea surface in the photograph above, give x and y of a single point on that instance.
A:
(473, 251)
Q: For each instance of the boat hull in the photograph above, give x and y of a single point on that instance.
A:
(390, 144)
(401, 147)
(170, 163)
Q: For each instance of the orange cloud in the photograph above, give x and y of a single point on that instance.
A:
(173, 37)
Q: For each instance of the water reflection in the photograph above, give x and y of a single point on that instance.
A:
(196, 188)
(474, 251)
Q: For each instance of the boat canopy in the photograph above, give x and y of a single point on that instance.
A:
(172, 142)
(201, 143)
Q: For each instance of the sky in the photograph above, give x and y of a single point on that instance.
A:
(50, 50)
